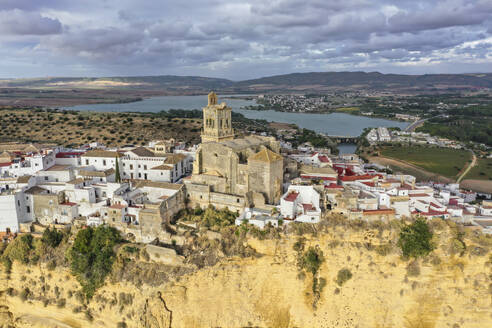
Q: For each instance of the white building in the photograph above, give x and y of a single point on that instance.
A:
(301, 203)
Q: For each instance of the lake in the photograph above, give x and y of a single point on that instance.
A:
(339, 124)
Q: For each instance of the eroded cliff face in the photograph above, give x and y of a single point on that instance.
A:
(450, 288)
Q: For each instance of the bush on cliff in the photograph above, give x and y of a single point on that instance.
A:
(52, 237)
(211, 217)
(311, 260)
(19, 249)
(92, 256)
(415, 239)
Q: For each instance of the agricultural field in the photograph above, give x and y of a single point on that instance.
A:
(481, 171)
(443, 161)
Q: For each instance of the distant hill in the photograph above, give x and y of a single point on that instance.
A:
(295, 82)
(363, 80)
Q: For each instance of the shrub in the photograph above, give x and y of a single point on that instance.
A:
(52, 237)
(312, 259)
(384, 249)
(51, 265)
(415, 239)
(92, 256)
(19, 249)
(61, 303)
(413, 269)
(24, 294)
(343, 275)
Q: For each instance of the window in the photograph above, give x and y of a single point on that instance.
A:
(28, 209)
(131, 166)
(139, 175)
(18, 203)
(145, 167)
(86, 162)
(139, 166)
(123, 164)
(46, 178)
(237, 200)
(104, 162)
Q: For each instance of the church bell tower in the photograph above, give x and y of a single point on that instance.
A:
(217, 123)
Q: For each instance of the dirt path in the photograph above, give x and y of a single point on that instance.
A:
(419, 172)
(472, 164)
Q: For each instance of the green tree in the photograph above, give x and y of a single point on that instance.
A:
(92, 256)
(312, 259)
(52, 237)
(117, 171)
(415, 239)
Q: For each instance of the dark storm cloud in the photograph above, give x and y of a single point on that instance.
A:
(242, 39)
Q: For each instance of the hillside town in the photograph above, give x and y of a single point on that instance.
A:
(140, 190)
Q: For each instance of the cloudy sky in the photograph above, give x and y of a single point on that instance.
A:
(244, 38)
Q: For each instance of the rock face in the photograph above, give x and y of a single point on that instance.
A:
(447, 289)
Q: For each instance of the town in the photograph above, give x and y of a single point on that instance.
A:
(141, 190)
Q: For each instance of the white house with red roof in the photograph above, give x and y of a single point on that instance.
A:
(301, 204)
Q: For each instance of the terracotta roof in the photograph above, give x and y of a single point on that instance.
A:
(334, 186)
(143, 152)
(86, 173)
(162, 167)
(265, 155)
(292, 196)
(306, 176)
(58, 167)
(68, 154)
(102, 153)
(76, 181)
(69, 204)
(174, 158)
(117, 206)
(155, 184)
(308, 207)
(418, 195)
(356, 177)
(308, 169)
(35, 190)
(23, 179)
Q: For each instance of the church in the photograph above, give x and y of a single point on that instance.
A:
(233, 172)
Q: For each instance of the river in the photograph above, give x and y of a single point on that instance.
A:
(339, 124)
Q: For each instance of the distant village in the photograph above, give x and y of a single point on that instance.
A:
(139, 190)
(384, 135)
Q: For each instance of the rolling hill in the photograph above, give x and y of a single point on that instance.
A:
(300, 82)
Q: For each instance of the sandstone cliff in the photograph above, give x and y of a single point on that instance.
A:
(450, 288)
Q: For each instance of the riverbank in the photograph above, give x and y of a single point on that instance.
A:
(328, 111)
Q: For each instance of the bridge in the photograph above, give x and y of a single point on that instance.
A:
(344, 139)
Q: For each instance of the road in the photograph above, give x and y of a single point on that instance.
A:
(414, 125)
(472, 164)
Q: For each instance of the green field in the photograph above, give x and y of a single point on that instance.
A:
(443, 161)
(481, 171)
